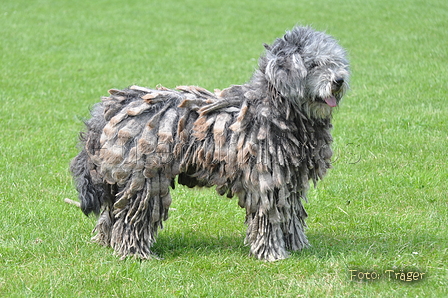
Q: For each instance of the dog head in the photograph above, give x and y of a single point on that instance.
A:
(309, 68)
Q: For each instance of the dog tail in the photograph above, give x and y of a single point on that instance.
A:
(88, 180)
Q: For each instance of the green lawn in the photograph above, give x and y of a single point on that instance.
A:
(382, 207)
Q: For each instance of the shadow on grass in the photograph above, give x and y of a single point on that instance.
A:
(388, 248)
(171, 245)
(190, 242)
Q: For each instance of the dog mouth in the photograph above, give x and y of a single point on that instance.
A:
(336, 90)
(330, 100)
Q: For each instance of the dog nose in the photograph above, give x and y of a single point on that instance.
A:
(338, 82)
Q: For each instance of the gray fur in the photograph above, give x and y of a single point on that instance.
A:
(262, 142)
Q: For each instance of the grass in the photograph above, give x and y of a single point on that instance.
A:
(382, 207)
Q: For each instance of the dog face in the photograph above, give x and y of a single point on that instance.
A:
(309, 68)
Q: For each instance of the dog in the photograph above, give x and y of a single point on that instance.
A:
(262, 142)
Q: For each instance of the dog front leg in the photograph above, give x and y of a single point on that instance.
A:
(264, 232)
(265, 238)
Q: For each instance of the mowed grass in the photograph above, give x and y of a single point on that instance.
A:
(382, 207)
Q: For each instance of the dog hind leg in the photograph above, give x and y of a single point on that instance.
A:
(136, 224)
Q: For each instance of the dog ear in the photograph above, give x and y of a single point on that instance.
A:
(287, 74)
(267, 47)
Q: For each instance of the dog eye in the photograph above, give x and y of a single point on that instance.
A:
(313, 65)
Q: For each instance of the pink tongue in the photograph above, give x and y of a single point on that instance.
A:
(331, 101)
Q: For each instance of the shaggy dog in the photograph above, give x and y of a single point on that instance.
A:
(262, 142)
